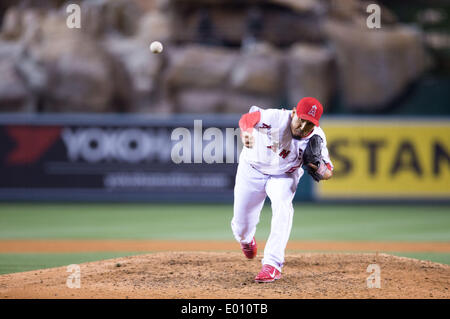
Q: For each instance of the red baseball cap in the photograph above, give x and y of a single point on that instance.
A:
(309, 109)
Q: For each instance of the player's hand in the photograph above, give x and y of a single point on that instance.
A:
(248, 139)
(320, 172)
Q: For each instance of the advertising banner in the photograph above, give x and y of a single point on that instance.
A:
(387, 158)
(194, 158)
(118, 158)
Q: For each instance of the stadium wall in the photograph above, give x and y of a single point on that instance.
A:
(129, 157)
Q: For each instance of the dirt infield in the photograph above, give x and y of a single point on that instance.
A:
(217, 269)
(172, 275)
(64, 246)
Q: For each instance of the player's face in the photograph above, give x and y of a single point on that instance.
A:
(300, 128)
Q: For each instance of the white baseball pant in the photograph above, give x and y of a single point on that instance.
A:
(250, 192)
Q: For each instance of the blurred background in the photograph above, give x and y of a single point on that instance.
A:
(73, 99)
(87, 115)
(222, 56)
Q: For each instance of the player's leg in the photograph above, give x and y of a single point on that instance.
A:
(281, 190)
(249, 196)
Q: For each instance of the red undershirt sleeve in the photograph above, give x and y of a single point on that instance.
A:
(249, 120)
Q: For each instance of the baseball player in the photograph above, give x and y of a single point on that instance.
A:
(277, 143)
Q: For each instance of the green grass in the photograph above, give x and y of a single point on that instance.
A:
(443, 258)
(210, 222)
(150, 221)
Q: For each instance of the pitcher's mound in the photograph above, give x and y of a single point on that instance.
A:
(229, 275)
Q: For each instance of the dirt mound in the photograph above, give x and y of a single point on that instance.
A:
(229, 275)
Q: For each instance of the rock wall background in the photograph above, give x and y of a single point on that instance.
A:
(219, 55)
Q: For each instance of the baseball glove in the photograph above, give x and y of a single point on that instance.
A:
(312, 158)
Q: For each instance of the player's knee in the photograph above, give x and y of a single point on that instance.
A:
(282, 211)
(284, 205)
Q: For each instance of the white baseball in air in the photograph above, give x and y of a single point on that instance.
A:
(156, 47)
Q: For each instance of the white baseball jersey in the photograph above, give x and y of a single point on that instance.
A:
(275, 151)
(272, 167)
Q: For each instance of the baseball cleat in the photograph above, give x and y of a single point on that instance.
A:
(268, 274)
(250, 249)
